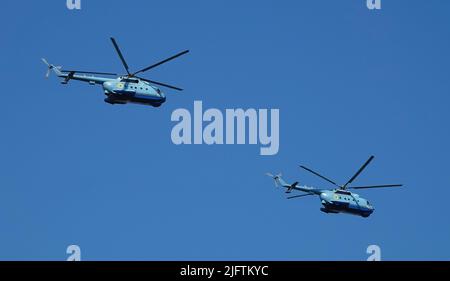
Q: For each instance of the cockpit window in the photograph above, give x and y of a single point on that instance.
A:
(127, 80)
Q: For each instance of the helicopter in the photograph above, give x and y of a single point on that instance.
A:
(123, 89)
(338, 200)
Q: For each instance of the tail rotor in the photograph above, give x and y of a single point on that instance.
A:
(276, 178)
(50, 67)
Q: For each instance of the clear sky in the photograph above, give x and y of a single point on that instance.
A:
(349, 83)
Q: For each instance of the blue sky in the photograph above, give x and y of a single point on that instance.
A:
(349, 82)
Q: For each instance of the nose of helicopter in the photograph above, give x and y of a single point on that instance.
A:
(160, 94)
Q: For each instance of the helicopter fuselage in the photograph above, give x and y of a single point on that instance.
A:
(342, 201)
(126, 90)
(122, 90)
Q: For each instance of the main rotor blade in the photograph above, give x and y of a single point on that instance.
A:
(375, 186)
(89, 72)
(161, 62)
(161, 84)
(319, 175)
(297, 196)
(359, 171)
(120, 55)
